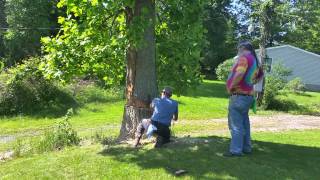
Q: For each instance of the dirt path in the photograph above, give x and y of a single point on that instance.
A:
(279, 122)
(285, 122)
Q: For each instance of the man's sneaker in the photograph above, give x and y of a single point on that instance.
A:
(229, 154)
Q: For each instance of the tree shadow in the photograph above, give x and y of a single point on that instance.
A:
(208, 89)
(202, 158)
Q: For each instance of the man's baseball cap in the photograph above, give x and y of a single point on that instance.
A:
(167, 90)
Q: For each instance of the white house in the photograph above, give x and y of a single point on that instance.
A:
(304, 64)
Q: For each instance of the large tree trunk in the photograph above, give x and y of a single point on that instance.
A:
(141, 82)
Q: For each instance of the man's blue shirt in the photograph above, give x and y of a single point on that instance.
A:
(164, 109)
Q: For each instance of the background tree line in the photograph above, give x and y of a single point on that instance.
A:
(23, 23)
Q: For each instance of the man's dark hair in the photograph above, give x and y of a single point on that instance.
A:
(248, 46)
(167, 91)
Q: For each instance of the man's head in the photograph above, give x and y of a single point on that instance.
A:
(245, 46)
(166, 92)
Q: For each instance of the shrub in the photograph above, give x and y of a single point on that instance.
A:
(63, 135)
(223, 69)
(90, 92)
(275, 82)
(295, 86)
(23, 89)
(1, 65)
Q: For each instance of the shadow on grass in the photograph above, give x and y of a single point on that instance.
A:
(60, 104)
(205, 161)
(54, 106)
(208, 89)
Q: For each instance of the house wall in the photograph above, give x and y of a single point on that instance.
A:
(303, 64)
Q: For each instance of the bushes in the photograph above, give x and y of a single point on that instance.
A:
(295, 86)
(275, 82)
(90, 92)
(23, 89)
(63, 135)
(57, 138)
(223, 69)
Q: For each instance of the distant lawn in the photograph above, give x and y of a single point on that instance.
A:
(207, 101)
(285, 155)
(305, 103)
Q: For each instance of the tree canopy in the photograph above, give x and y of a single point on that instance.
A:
(94, 38)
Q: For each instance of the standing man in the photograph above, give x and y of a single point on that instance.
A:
(244, 74)
(165, 110)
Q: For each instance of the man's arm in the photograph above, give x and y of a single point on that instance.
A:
(176, 115)
(239, 73)
(153, 103)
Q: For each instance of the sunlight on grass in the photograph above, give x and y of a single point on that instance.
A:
(207, 101)
(281, 155)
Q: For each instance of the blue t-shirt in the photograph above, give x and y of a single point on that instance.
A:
(164, 109)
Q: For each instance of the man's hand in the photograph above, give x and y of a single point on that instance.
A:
(175, 117)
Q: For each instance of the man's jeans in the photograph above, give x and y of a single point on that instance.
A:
(239, 124)
(163, 131)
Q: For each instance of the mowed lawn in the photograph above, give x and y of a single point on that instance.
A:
(286, 155)
(278, 155)
(207, 101)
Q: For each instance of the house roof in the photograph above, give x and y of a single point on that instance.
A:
(296, 48)
(304, 64)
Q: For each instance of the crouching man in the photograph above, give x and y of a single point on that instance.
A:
(164, 111)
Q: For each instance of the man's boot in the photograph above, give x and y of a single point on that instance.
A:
(137, 141)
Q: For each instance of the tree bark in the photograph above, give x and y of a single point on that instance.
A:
(141, 80)
(265, 26)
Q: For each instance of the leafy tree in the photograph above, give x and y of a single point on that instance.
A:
(97, 36)
(264, 13)
(221, 34)
(304, 26)
(223, 70)
(3, 24)
(275, 82)
(180, 39)
(28, 21)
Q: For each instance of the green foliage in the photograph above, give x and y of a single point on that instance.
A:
(25, 90)
(2, 25)
(93, 42)
(180, 40)
(295, 86)
(220, 27)
(274, 83)
(28, 21)
(63, 135)
(303, 24)
(95, 38)
(93, 93)
(1, 66)
(223, 70)
(18, 148)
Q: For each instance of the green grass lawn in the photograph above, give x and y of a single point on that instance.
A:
(306, 103)
(286, 155)
(104, 112)
(208, 101)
